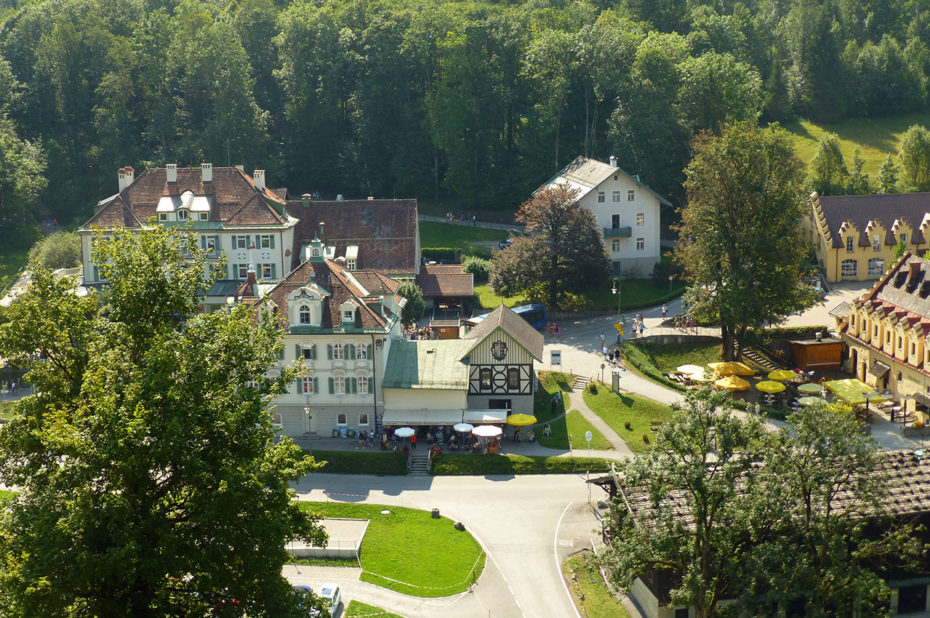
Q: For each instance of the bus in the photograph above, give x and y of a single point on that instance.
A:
(534, 314)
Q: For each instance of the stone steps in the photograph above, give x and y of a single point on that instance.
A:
(418, 465)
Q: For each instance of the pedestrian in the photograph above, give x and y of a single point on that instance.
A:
(413, 442)
(474, 221)
(558, 331)
(550, 328)
(758, 409)
(664, 311)
(642, 329)
(604, 352)
(602, 339)
(547, 431)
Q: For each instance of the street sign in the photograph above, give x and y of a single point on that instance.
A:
(555, 357)
(588, 436)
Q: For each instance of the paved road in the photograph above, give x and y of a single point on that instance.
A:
(527, 525)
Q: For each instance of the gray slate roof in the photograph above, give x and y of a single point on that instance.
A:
(585, 174)
(884, 208)
(427, 364)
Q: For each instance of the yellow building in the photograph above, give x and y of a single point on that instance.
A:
(854, 236)
(887, 329)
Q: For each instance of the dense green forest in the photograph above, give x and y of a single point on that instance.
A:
(471, 103)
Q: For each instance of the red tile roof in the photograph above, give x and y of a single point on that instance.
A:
(445, 280)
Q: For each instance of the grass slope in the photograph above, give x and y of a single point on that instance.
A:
(589, 591)
(429, 555)
(876, 137)
(357, 609)
(552, 382)
(447, 235)
(12, 260)
(618, 410)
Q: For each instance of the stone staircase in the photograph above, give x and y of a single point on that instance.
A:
(580, 383)
(759, 359)
(418, 464)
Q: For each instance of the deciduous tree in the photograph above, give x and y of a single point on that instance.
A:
(915, 158)
(60, 250)
(561, 253)
(826, 172)
(739, 243)
(414, 308)
(152, 481)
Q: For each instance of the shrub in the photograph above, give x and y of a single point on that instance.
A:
(628, 425)
(646, 438)
(477, 266)
(592, 388)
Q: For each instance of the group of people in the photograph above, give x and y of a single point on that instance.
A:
(426, 332)
(461, 218)
(554, 329)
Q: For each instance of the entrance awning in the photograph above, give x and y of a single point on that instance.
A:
(922, 398)
(486, 416)
(879, 369)
(421, 417)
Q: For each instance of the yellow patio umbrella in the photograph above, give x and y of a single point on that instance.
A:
(781, 375)
(731, 369)
(521, 420)
(768, 386)
(811, 401)
(810, 388)
(732, 383)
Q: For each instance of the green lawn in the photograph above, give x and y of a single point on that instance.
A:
(618, 410)
(552, 382)
(6, 494)
(578, 425)
(479, 465)
(485, 298)
(11, 262)
(357, 609)
(361, 462)
(589, 591)
(876, 137)
(447, 235)
(634, 294)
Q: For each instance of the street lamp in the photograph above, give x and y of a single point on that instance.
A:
(867, 397)
(308, 411)
(615, 289)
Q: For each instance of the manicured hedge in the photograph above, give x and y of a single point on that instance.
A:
(361, 462)
(451, 465)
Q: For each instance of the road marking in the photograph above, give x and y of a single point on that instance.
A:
(558, 567)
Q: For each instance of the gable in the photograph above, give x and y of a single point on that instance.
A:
(483, 352)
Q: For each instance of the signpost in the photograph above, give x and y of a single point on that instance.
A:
(588, 436)
(555, 357)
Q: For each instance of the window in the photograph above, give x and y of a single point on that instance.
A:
(240, 242)
(304, 313)
(340, 419)
(209, 243)
(614, 221)
(347, 315)
(631, 195)
(876, 267)
(267, 271)
(363, 386)
(900, 343)
(513, 378)
(903, 238)
(849, 269)
(361, 352)
(912, 599)
(849, 244)
(600, 197)
(241, 270)
(640, 218)
(913, 348)
(182, 215)
(339, 385)
(640, 244)
(615, 196)
(306, 386)
(338, 353)
(266, 241)
(362, 418)
(876, 244)
(485, 378)
(162, 216)
(352, 264)
(615, 245)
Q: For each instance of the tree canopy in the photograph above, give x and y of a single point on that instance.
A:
(739, 246)
(561, 253)
(415, 306)
(772, 519)
(152, 481)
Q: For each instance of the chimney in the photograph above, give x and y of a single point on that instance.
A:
(613, 161)
(206, 172)
(305, 200)
(322, 225)
(171, 171)
(915, 269)
(240, 167)
(126, 175)
(258, 177)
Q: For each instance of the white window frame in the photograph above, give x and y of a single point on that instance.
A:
(265, 270)
(307, 386)
(601, 197)
(875, 271)
(339, 385)
(242, 271)
(631, 195)
(876, 243)
(640, 218)
(303, 314)
(162, 216)
(903, 238)
(849, 245)
(361, 352)
(615, 245)
(849, 269)
(362, 384)
(640, 244)
(352, 264)
(338, 352)
(203, 216)
(264, 241)
(348, 315)
(240, 242)
(342, 419)
(363, 418)
(615, 196)
(182, 215)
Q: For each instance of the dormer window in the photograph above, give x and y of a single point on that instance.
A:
(348, 315)
(182, 215)
(876, 243)
(304, 314)
(162, 216)
(903, 238)
(849, 244)
(202, 216)
(351, 264)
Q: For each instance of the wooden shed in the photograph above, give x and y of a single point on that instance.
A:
(822, 354)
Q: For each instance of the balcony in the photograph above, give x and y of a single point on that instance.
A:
(618, 232)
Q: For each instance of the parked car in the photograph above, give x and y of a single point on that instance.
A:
(331, 594)
(505, 243)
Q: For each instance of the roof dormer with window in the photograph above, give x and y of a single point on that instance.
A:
(305, 307)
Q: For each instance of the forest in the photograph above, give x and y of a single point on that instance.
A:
(471, 104)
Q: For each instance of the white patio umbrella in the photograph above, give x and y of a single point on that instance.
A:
(404, 432)
(487, 431)
(463, 427)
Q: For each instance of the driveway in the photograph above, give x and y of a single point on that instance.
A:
(526, 524)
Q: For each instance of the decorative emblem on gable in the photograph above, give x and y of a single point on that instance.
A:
(499, 350)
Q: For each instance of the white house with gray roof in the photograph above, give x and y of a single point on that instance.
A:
(627, 212)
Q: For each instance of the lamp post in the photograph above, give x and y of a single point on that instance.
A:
(867, 397)
(308, 411)
(615, 289)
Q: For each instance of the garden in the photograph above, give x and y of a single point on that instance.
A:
(399, 551)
